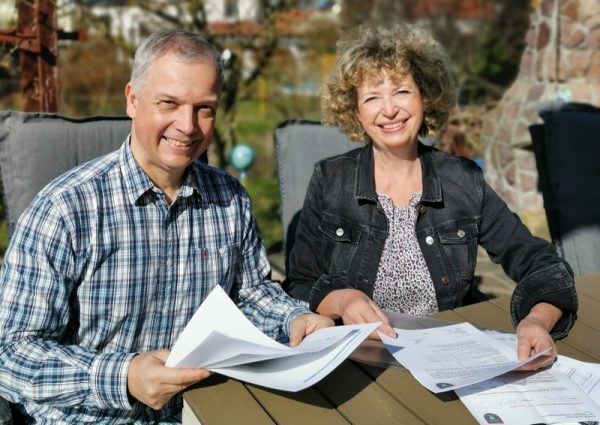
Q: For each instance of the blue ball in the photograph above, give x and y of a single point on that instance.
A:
(241, 157)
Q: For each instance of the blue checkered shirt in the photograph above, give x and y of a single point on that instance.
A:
(101, 267)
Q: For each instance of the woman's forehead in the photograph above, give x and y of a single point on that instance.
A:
(376, 76)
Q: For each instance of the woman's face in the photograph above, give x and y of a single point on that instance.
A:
(390, 110)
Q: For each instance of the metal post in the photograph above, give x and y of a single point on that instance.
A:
(39, 71)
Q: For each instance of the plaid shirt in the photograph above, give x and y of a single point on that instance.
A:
(101, 267)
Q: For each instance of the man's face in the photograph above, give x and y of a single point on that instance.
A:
(173, 116)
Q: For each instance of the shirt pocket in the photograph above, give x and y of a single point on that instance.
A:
(459, 239)
(215, 265)
(339, 244)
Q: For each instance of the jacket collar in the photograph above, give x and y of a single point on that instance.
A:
(364, 182)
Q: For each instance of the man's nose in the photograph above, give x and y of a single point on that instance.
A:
(187, 121)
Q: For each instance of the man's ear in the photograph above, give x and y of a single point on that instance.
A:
(131, 100)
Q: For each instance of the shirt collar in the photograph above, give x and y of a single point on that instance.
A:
(138, 183)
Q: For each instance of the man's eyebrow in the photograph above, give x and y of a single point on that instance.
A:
(165, 96)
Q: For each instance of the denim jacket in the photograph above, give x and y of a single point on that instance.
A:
(342, 230)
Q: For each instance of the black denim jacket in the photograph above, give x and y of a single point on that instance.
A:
(342, 231)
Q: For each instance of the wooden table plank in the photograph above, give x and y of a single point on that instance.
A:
(304, 407)
(589, 285)
(220, 400)
(588, 304)
(431, 409)
(487, 315)
(361, 400)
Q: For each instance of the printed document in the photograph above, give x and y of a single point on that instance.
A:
(569, 392)
(451, 357)
(544, 397)
(220, 338)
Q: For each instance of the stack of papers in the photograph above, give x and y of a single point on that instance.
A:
(221, 339)
(477, 365)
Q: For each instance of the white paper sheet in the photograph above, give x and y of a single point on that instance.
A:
(220, 338)
(450, 357)
(545, 397)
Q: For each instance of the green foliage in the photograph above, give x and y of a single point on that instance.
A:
(265, 203)
(3, 237)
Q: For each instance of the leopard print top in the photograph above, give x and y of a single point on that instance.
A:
(403, 282)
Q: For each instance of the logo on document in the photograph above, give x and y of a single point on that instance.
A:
(442, 385)
(492, 418)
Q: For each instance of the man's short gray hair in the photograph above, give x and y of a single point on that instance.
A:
(187, 46)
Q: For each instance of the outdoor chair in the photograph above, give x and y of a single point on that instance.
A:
(298, 146)
(37, 147)
(567, 152)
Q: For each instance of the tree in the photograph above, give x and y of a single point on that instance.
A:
(241, 41)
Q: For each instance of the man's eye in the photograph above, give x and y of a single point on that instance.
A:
(207, 111)
(166, 104)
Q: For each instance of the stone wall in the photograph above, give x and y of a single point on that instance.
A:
(561, 61)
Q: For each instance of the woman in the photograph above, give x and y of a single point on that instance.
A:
(395, 224)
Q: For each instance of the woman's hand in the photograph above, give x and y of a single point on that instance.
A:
(533, 336)
(355, 307)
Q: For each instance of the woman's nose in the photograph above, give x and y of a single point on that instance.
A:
(389, 108)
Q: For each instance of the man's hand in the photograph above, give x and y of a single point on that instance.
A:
(533, 336)
(355, 307)
(306, 324)
(152, 383)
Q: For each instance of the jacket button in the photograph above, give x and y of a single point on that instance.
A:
(422, 209)
(339, 232)
(429, 240)
(460, 233)
(445, 279)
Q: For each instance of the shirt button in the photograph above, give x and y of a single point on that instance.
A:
(429, 240)
(222, 251)
(445, 279)
(339, 232)
(460, 233)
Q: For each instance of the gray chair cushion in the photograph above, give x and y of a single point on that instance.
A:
(37, 147)
(298, 146)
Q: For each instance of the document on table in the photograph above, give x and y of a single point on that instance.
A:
(569, 392)
(451, 357)
(220, 338)
(545, 397)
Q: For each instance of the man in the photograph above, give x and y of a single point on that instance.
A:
(111, 260)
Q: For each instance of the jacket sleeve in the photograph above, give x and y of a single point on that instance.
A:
(541, 275)
(37, 314)
(307, 277)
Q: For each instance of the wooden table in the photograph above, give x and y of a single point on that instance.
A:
(356, 393)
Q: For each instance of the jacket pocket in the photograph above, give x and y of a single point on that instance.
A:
(339, 244)
(459, 239)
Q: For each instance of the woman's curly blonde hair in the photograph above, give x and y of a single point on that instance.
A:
(400, 49)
